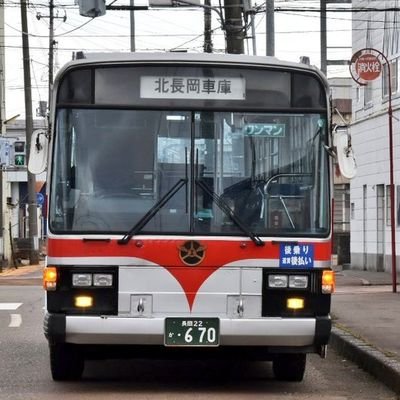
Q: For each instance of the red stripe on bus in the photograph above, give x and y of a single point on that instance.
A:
(166, 252)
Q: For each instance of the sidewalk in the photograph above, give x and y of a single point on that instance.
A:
(366, 319)
(25, 274)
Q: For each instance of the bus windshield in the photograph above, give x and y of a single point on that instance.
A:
(196, 172)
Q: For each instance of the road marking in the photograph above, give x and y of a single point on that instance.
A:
(16, 321)
(9, 306)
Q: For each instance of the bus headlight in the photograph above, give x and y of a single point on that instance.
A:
(81, 280)
(288, 281)
(298, 281)
(277, 281)
(88, 280)
(102, 280)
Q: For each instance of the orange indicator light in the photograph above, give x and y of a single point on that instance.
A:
(50, 278)
(328, 282)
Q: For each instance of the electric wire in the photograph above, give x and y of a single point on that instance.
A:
(87, 29)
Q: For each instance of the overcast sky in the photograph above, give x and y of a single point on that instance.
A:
(297, 34)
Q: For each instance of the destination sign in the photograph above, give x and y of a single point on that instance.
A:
(197, 88)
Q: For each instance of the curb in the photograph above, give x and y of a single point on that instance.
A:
(386, 369)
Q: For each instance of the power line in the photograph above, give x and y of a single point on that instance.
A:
(333, 18)
(187, 38)
(45, 36)
(156, 35)
(337, 9)
(291, 10)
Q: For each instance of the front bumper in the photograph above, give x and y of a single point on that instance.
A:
(113, 330)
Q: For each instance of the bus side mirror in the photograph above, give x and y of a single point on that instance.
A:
(344, 152)
(38, 153)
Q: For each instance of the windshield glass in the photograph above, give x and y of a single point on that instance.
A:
(111, 167)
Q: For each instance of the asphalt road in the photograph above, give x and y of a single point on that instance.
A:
(25, 375)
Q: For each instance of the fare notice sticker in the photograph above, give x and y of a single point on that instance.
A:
(296, 255)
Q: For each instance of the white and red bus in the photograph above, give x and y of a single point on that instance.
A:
(189, 210)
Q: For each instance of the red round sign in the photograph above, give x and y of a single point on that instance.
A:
(368, 67)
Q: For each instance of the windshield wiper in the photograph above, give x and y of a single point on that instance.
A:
(230, 213)
(153, 211)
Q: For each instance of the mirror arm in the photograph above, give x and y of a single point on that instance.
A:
(349, 148)
(38, 145)
(331, 151)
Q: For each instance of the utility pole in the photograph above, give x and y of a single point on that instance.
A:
(2, 131)
(32, 207)
(270, 29)
(52, 42)
(2, 73)
(253, 33)
(323, 37)
(132, 19)
(51, 49)
(208, 46)
(234, 27)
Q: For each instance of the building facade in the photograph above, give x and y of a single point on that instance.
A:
(341, 90)
(14, 189)
(371, 245)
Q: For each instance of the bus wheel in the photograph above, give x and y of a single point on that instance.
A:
(66, 362)
(289, 367)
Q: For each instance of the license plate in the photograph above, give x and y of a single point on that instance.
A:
(191, 332)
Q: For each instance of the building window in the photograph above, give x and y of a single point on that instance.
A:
(388, 208)
(342, 208)
(398, 205)
(368, 95)
(394, 78)
(390, 44)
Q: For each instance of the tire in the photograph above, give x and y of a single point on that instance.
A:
(289, 367)
(66, 362)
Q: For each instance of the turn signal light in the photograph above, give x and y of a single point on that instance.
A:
(328, 282)
(50, 278)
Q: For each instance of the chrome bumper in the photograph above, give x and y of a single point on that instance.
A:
(291, 332)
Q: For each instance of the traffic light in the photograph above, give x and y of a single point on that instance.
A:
(19, 154)
(19, 159)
